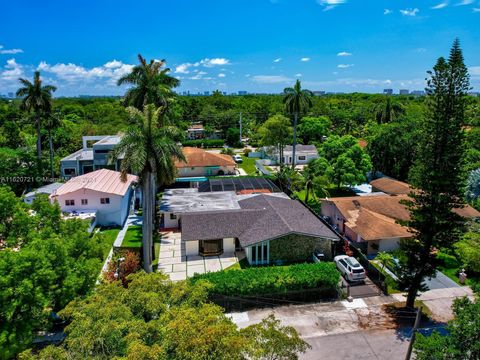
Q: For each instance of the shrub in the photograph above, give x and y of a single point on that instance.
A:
(205, 143)
(119, 270)
(227, 151)
(271, 280)
(449, 261)
(247, 151)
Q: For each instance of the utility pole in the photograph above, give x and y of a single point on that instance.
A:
(415, 327)
(240, 127)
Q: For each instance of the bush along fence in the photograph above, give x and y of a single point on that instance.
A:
(238, 290)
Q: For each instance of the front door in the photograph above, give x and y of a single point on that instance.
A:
(211, 247)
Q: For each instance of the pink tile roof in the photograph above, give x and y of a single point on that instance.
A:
(104, 180)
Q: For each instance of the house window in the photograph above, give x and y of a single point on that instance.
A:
(70, 202)
(69, 171)
(302, 158)
(102, 151)
(173, 217)
(84, 201)
(104, 200)
(192, 168)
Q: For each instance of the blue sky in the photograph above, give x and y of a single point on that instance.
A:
(83, 46)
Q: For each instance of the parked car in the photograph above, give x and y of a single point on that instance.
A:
(350, 268)
(317, 256)
(237, 158)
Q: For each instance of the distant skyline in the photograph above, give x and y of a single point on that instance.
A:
(259, 46)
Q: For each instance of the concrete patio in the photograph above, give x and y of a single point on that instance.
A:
(173, 261)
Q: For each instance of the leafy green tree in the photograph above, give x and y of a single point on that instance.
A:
(152, 84)
(149, 151)
(313, 129)
(462, 341)
(388, 111)
(296, 101)
(316, 179)
(15, 164)
(52, 122)
(473, 186)
(271, 341)
(276, 132)
(436, 174)
(385, 259)
(38, 99)
(233, 137)
(468, 249)
(348, 162)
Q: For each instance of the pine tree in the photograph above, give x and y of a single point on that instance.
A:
(437, 176)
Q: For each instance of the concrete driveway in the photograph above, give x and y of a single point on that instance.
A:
(174, 262)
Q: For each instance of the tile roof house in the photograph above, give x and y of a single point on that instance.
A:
(203, 163)
(271, 228)
(101, 192)
(372, 220)
(390, 186)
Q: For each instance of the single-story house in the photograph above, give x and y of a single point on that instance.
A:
(101, 192)
(372, 220)
(203, 163)
(303, 154)
(195, 132)
(270, 228)
(47, 189)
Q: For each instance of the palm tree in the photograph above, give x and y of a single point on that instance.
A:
(151, 85)
(36, 98)
(52, 122)
(388, 111)
(149, 151)
(384, 259)
(315, 178)
(296, 100)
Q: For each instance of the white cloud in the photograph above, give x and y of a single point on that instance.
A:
(4, 51)
(277, 60)
(330, 4)
(12, 71)
(410, 12)
(344, 66)
(221, 75)
(476, 10)
(474, 70)
(215, 61)
(298, 75)
(440, 6)
(344, 53)
(271, 79)
(305, 59)
(110, 71)
(208, 63)
(387, 11)
(182, 69)
(464, 2)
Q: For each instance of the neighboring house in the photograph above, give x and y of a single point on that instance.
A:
(271, 228)
(203, 163)
(303, 154)
(372, 220)
(195, 132)
(101, 193)
(91, 156)
(47, 189)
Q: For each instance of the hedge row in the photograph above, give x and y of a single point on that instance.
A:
(206, 143)
(271, 280)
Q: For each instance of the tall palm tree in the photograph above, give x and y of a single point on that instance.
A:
(36, 98)
(315, 178)
(149, 151)
(296, 100)
(388, 111)
(52, 122)
(151, 84)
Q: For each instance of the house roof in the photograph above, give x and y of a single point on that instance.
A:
(196, 157)
(180, 201)
(375, 217)
(104, 180)
(47, 189)
(261, 217)
(301, 149)
(391, 186)
(82, 155)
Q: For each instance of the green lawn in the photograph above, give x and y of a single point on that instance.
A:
(248, 165)
(156, 242)
(106, 238)
(133, 237)
(312, 202)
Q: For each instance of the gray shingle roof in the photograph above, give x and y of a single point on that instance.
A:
(262, 217)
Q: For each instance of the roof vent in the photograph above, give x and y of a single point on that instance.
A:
(356, 203)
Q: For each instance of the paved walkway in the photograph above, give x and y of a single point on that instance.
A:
(173, 261)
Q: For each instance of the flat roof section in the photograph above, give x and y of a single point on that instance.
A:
(190, 200)
(238, 184)
(80, 155)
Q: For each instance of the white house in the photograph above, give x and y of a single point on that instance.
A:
(101, 192)
(47, 189)
(203, 163)
(303, 154)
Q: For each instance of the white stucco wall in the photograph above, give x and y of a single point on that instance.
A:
(107, 214)
(203, 171)
(389, 244)
(229, 245)
(169, 223)
(191, 248)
